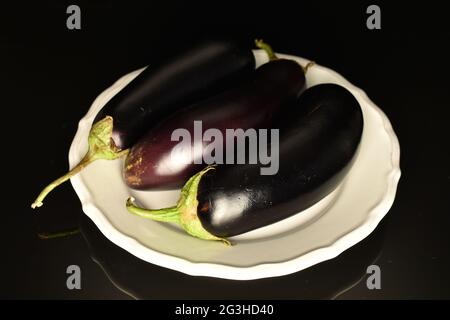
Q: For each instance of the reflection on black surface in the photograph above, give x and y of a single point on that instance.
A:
(143, 280)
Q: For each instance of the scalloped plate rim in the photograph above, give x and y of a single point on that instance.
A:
(263, 270)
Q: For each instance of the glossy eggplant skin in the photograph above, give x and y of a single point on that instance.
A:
(318, 143)
(254, 104)
(201, 71)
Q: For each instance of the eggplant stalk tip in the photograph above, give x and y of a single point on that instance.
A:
(267, 48)
(308, 65)
(101, 146)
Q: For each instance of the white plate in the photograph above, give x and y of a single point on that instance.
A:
(320, 233)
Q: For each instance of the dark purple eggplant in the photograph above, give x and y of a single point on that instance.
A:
(318, 144)
(151, 164)
(204, 70)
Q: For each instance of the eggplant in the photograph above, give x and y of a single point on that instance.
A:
(319, 140)
(151, 163)
(176, 81)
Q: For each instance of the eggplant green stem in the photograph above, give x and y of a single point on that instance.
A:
(101, 146)
(272, 56)
(184, 213)
(170, 214)
(267, 48)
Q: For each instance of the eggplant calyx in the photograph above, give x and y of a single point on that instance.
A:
(184, 213)
(101, 146)
(259, 43)
(188, 204)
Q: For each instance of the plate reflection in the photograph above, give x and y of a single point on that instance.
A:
(142, 280)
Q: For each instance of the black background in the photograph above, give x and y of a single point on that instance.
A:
(50, 76)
